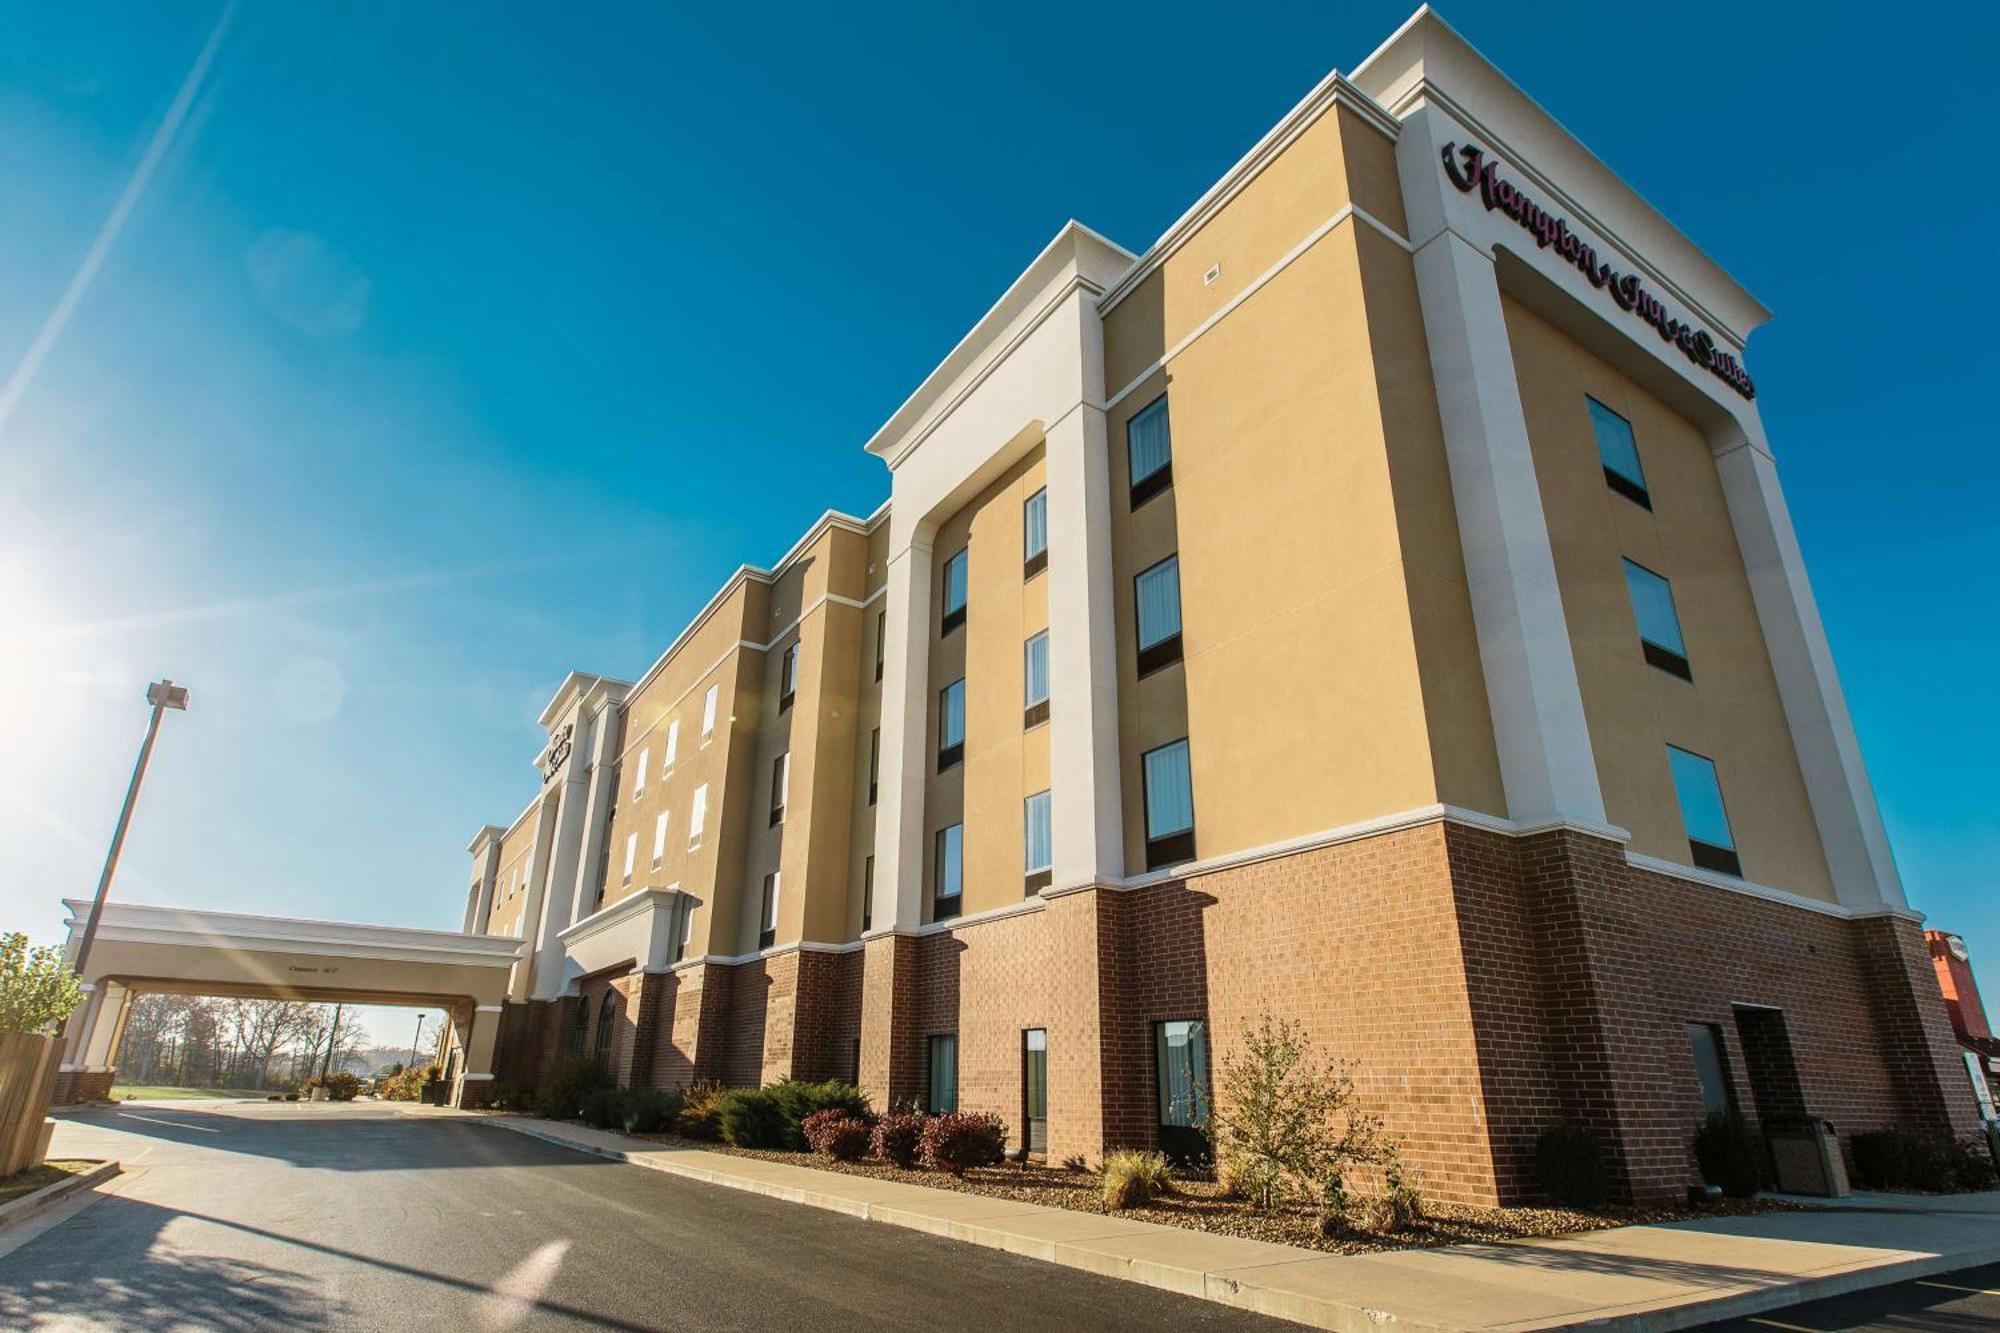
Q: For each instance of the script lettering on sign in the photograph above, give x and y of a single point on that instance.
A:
(1471, 169)
(559, 746)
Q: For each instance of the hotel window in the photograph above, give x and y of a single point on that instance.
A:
(874, 763)
(954, 592)
(1149, 448)
(1710, 1070)
(708, 702)
(881, 641)
(639, 774)
(659, 838)
(1037, 858)
(951, 724)
(1035, 1089)
(697, 816)
(687, 931)
(781, 778)
(579, 1027)
(1180, 1068)
(767, 913)
(1035, 534)
(673, 745)
(867, 892)
(950, 870)
(942, 1093)
(1659, 625)
(1035, 678)
(1169, 796)
(1157, 595)
(1702, 815)
(631, 855)
(788, 677)
(1618, 452)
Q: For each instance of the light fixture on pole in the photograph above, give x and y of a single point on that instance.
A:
(162, 695)
(418, 1039)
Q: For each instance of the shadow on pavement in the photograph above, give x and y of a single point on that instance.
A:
(322, 1137)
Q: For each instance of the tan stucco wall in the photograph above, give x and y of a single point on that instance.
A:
(1300, 690)
(1004, 762)
(1731, 712)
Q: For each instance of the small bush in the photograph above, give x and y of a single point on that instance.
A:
(836, 1134)
(898, 1138)
(1728, 1154)
(1569, 1167)
(701, 1111)
(797, 1100)
(560, 1094)
(405, 1086)
(504, 1096)
(340, 1085)
(650, 1111)
(604, 1108)
(1398, 1208)
(1914, 1159)
(1132, 1178)
(956, 1140)
(752, 1118)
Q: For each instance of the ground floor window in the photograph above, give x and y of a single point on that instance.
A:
(1180, 1049)
(1035, 1089)
(1710, 1068)
(943, 1091)
(579, 1028)
(607, 1026)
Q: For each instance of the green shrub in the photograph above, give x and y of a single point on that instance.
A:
(604, 1108)
(340, 1085)
(1398, 1208)
(897, 1138)
(1132, 1177)
(836, 1134)
(406, 1086)
(1728, 1154)
(798, 1100)
(650, 1111)
(701, 1108)
(956, 1140)
(1569, 1167)
(752, 1118)
(560, 1094)
(1915, 1159)
(504, 1096)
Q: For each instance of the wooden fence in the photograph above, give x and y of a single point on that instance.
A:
(27, 1081)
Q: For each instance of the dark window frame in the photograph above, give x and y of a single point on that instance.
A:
(1166, 651)
(1036, 713)
(781, 775)
(952, 618)
(1707, 855)
(931, 1099)
(788, 673)
(1034, 562)
(874, 764)
(1169, 848)
(1658, 655)
(881, 642)
(867, 891)
(944, 907)
(768, 935)
(952, 755)
(1161, 478)
(1639, 492)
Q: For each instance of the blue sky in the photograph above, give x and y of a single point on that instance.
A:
(435, 354)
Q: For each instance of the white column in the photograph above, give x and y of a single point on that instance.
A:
(105, 1021)
(485, 850)
(1843, 801)
(1546, 764)
(602, 796)
(1087, 821)
(906, 705)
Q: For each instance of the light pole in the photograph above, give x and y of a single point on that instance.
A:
(416, 1041)
(162, 694)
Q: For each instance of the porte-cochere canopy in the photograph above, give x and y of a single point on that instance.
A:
(142, 949)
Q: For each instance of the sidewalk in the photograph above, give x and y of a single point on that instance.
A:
(1639, 1277)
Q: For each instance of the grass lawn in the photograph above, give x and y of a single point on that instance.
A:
(151, 1093)
(48, 1173)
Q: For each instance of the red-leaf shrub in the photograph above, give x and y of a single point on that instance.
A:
(898, 1135)
(836, 1134)
(959, 1139)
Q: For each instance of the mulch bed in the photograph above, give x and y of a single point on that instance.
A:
(1200, 1206)
(23, 1183)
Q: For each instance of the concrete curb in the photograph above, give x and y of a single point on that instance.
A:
(28, 1205)
(1258, 1284)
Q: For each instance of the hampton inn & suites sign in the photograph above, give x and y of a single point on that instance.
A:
(1471, 169)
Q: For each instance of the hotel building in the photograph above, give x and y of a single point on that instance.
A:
(1373, 603)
